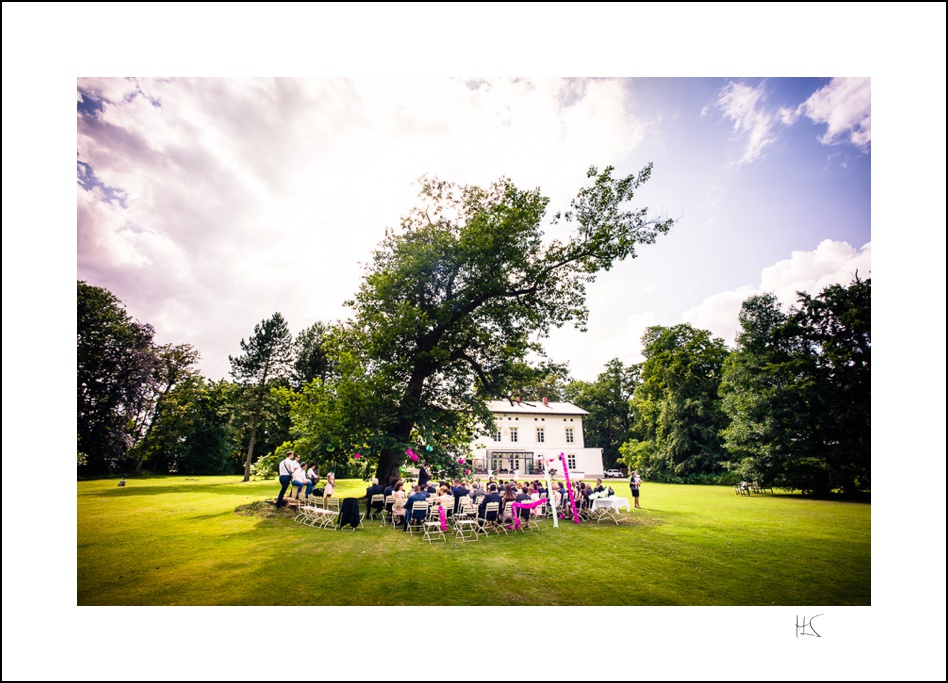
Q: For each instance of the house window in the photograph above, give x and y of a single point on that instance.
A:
(513, 433)
(571, 461)
(569, 435)
(541, 437)
(497, 435)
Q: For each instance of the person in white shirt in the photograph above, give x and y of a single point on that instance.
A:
(299, 480)
(287, 465)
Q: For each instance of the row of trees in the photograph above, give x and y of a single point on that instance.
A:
(449, 314)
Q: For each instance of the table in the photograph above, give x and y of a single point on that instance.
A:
(608, 508)
(612, 502)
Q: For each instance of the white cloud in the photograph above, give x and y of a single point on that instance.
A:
(807, 271)
(743, 105)
(247, 196)
(844, 105)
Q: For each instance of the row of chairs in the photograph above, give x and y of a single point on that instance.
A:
(465, 523)
(745, 488)
(326, 517)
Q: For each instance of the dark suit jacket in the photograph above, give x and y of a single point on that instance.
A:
(373, 491)
(423, 477)
(459, 493)
(490, 498)
(419, 497)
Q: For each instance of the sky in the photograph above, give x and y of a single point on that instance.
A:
(208, 204)
(288, 137)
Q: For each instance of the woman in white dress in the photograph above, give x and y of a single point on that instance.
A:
(330, 484)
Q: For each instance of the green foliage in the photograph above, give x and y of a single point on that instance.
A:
(192, 432)
(311, 356)
(678, 416)
(797, 390)
(267, 466)
(115, 364)
(265, 362)
(453, 302)
(608, 402)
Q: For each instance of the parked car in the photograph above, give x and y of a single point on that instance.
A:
(613, 474)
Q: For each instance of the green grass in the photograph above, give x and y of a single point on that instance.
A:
(164, 540)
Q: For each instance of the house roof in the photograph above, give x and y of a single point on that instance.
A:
(535, 408)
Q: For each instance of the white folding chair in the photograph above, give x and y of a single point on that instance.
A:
(416, 521)
(466, 525)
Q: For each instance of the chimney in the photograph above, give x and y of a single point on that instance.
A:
(546, 402)
(518, 400)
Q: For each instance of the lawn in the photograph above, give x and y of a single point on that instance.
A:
(164, 540)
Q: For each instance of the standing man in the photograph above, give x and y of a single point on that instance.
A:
(287, 465)
(424, 476)
(635, 481)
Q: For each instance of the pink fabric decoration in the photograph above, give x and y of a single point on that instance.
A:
(358, 455)
(460, 461)
(572, 500)
(443, 517)
(516, 507)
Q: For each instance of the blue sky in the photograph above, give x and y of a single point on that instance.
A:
(206, 204)
(235, 199)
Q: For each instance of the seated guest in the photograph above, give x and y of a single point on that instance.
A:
(459, 492)
(373, 490)
(491, 497)
(524, 497)
(398, 493)
(598, 488)
(390, 486)
(417, 496)
(445, 499)
(299, 480)
(477, 492)
(509, 497)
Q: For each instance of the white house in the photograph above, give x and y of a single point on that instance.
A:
(528, 431)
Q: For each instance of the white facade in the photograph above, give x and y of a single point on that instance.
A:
(527, 432)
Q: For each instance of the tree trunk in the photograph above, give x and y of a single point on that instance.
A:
(253, 438)
(391, 458)
(253, 430)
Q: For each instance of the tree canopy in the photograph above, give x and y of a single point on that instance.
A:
(265, 360)
(454, 301)
(797, 390)
(115, 364)
(677, 410)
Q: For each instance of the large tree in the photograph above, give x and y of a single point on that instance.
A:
(453, 302)
(115, 365)
(677, 410)
(192, 430)
(797, 390)
(174, 365)
(265, 361)
(311, 358)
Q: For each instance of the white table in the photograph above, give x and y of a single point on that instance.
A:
(608, 508)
